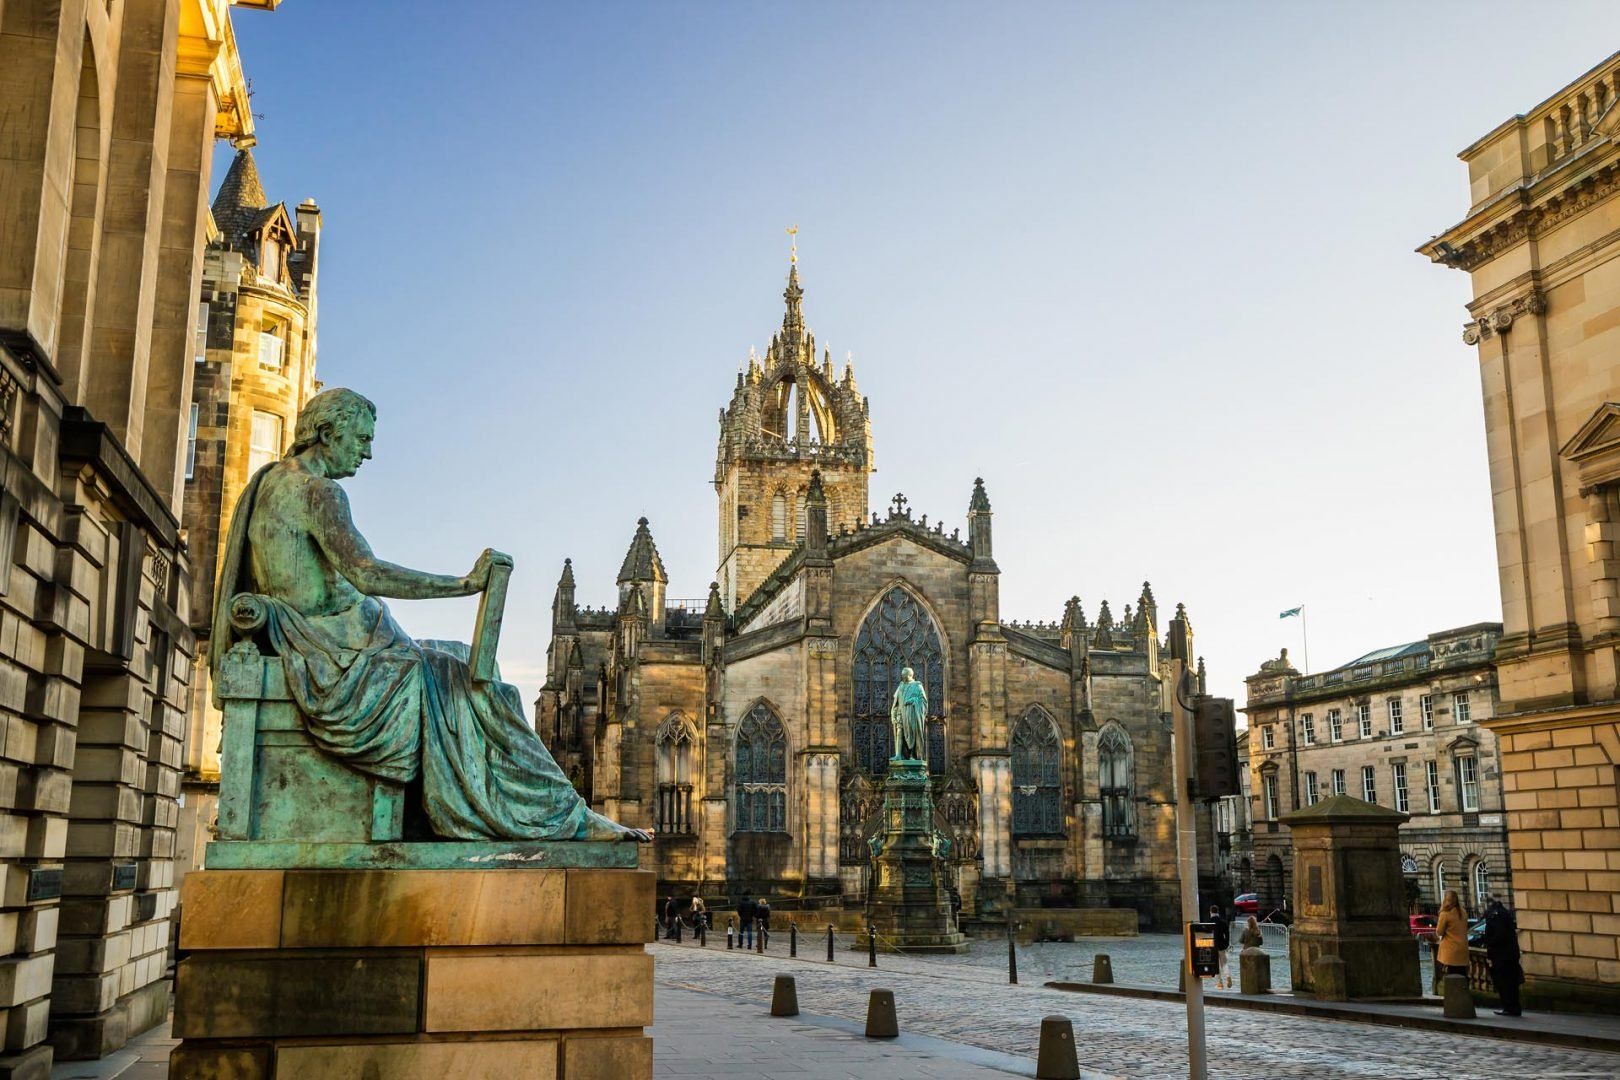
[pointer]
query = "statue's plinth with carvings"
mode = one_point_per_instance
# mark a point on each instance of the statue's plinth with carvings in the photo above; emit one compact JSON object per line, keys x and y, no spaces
{"x":908,"y":901}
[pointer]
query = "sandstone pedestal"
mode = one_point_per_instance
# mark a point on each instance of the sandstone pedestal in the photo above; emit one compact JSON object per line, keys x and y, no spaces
{"x":1350,"y":903}
{"x":909,"y":904}
{"x":534,"y":969}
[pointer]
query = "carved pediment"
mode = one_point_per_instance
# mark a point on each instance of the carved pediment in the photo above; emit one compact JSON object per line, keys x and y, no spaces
{"x":1595,"y":448}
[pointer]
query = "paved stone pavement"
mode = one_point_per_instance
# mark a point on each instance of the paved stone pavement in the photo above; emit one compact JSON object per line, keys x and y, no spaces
{"x":1124,"y":1036}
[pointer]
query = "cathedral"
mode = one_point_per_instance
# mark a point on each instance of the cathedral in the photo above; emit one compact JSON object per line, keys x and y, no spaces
{"x":751,"y":730}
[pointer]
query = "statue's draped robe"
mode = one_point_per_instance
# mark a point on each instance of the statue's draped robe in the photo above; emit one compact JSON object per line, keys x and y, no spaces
{"x":395,"y":708}
{"x":908,"y":715}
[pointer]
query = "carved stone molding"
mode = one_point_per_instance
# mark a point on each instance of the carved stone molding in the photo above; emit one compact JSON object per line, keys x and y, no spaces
{"x":1501,"y":319}
{"x":1529,"y":221}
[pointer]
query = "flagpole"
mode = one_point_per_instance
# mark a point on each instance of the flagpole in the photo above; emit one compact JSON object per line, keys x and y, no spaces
{"x":1305,"y":637}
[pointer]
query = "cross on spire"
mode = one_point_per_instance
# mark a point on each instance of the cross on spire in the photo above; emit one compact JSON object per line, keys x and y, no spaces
{"x":899,"y":502}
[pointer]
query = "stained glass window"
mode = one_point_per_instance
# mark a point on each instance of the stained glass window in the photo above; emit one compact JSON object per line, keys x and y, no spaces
{"x":1037,"y":776}
{"x":1114,"y":781}
{"x":761,"y":772}
{"x":897,"y":634}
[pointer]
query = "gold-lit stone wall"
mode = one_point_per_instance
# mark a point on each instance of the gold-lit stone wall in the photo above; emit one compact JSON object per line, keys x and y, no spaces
{"x":100,"y":255}
{"x":1538,"y":244}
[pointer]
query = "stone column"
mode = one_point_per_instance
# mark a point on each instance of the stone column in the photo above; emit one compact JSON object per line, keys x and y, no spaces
{"x":821,"y":814}
{"x":185,"y":212}
{"x":993,"y":775}
{"x":113,"y":383}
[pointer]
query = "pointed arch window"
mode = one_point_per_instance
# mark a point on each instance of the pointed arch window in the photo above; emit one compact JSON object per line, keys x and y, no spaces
{"x":1114,"y":781}
{"x":673,"y":747}
{"x":760,"y":778}
{"x":1037,"y":776}
{"x":779,"y":517}
{"x":897,"y":633}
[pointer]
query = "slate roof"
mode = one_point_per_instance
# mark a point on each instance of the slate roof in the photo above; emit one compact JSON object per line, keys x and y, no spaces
{"x":240,"y":205}
{"x":641,"y":562}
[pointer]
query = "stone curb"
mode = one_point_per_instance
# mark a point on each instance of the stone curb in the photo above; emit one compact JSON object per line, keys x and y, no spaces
{"x":1286,"y":1004}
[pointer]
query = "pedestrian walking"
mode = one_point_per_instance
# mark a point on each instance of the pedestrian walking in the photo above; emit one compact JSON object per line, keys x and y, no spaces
{"x":1502,"y":951}
{"x":747,"y":911}
{"x":1223,"y":942}
{"x":1451,"y":931}
{"x":1252,"y":937}
{"x":762,"y":912}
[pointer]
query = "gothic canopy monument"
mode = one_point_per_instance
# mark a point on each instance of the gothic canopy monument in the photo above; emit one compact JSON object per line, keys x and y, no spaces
{"x":445,"y":843}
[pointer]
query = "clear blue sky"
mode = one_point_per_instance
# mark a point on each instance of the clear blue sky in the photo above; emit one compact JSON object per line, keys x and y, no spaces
{"x":1146,"y":268}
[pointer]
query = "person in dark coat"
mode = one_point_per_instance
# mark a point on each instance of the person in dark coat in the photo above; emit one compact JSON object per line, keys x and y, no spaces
{"x":747,"y":911}
{"x":1502,"y":952}
{"x":762,"y":912}
{"x":1223,"y":942}
{"x":669,"y":917}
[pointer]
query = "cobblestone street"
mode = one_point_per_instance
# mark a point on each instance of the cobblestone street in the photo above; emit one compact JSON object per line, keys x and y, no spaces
{"x":972,"y":1004}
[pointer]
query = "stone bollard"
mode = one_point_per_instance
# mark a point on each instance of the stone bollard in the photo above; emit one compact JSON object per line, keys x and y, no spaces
{"x":785,"y":997}
{"x":1329,"y":979}
{"x":1459,"y":1001}
{"x":1102,"y":969}
{"x":881,"y":1022}
{"x":1057,"y":1059}
{"x":1181,"y":980}
{"x":1254,"y":971}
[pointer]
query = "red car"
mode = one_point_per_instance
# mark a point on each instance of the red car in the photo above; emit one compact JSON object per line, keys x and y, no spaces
{"x":1248,"y":903}
{"x":1421,"y":925}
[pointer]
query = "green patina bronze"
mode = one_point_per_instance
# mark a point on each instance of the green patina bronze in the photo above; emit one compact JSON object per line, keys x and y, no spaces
{"x":908,"y":717}
{"x":335,"y":719}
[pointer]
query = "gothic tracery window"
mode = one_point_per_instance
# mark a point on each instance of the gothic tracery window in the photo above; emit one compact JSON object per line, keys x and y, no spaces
{"x":673,"y":747}
{"x":1037,"y":776}
{"x":898,"y":633}
{"x":1114,"y":781}
{"x":760,"y":778}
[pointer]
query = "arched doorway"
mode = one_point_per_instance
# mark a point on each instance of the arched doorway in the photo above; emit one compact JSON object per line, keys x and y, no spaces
{"x":1271,"y":893}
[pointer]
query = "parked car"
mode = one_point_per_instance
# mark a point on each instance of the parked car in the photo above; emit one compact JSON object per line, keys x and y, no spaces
{"x":1476,"y":933}
{"x":1421,"y":925}
{"x":1248,"y":903}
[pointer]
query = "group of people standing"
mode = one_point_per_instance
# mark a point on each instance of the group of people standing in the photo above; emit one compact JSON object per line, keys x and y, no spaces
{"x":1501,"y":941}
{"x":1251,"y":939}
{"x":751,"y":913}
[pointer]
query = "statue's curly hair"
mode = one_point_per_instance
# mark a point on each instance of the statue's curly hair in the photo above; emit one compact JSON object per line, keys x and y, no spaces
{"x":336,"y":406}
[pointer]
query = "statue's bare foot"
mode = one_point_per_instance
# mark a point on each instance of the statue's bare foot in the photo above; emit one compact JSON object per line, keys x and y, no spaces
{"x":601,"y":828}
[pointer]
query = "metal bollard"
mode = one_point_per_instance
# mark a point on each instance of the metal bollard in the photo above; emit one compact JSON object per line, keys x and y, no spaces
{"x":793,"y":939}
{"x":731,"y":931}
{"x":830,"y":959}
{"x":1012,"y":956}
{"x":1102,"y":969}
{"x":759,"y":936}
{"x":703,"y":932}
{"x":677,"y":929}
{"x":871,"y":946}
{"x":881,"y":1022}
{"x":1057,"y":1059}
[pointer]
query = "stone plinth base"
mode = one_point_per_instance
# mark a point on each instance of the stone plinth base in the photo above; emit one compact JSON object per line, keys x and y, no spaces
{"x":908,"y":902}
{"x":414,"y":974}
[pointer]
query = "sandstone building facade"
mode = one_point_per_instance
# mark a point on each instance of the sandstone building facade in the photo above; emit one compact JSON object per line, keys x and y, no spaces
{"x":751,"y":730}
{"x":110,"y":113}
{"x":1403,"y":727}
{"x":254,"y":364}
{"x":1539,"y":245}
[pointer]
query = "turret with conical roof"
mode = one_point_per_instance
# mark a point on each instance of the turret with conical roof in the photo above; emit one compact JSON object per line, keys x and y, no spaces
{"x":788,"y":415}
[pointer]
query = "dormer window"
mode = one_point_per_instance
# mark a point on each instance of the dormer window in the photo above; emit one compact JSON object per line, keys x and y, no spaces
{"x":270,"y":259}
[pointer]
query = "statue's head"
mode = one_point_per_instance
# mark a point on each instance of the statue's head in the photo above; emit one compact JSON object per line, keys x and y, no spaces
{"x":906,"y":674}
{"x":340,"y":424}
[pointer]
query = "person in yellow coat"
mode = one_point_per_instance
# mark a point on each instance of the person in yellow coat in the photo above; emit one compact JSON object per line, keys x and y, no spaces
{"x":1451,"y":935}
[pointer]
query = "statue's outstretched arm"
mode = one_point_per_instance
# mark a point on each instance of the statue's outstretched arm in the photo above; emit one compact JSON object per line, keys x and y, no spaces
{"x":348,"y":552}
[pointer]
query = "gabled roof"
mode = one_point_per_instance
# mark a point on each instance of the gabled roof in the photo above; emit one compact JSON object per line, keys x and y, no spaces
{"x":641,"y":562}
{"x":1601,"y":430}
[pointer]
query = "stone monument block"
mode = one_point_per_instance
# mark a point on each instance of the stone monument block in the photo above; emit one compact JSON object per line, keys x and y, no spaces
{"x":1350,"y":902}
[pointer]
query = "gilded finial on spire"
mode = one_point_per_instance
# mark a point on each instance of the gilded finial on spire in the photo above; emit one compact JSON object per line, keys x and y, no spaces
{"x":793,"y":243}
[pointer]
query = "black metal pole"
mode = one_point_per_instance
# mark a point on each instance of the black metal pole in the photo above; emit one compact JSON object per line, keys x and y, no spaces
{"x":871,"y":945}
{"x":731,"y":928}
{"x":703,"y":931}
{"x":677,"y":929}
{"x":793,"y":938}
{"x":830,"y":959}
{"x":1012,"y":955}
{"x":759,"y":935}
